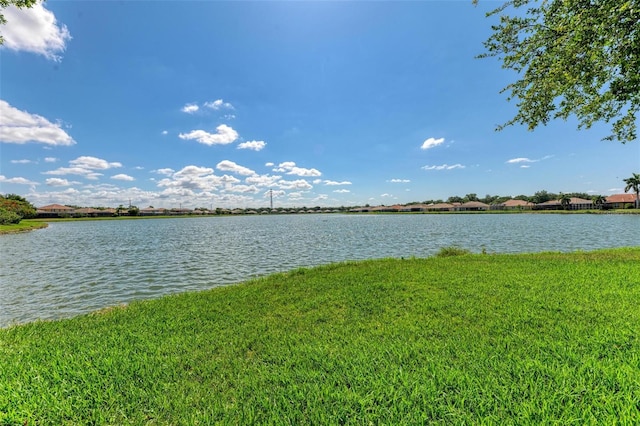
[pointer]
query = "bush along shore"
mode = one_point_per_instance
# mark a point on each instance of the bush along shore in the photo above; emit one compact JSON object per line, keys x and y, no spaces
{"x":453,"y":339}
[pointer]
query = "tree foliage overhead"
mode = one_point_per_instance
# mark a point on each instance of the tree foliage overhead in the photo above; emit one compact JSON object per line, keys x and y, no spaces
{"x":574,"y":57}
{"x":16,"y":3}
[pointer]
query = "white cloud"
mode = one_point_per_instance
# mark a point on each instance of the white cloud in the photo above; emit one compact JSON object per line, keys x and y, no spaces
{"x":290,"y":168}
{"x":295,"y":196}
{"x":244,"y":189}
{"x":263,"y":180}
{"x":225,"y":135}
{"x":18,"y":180}
{"x":385,"y":195}
{"x":165,"y":132}
{"x":122,"y":176}
{"x":399,"y":181}
{"x":431,"y":142}
{"x":253,"y":145}
{"x":34,"y":30}
{"x":269,"y":164}
{"x":444,"y":167}
{"x":50,"y":159}
{"x":342,"y":191}
{"x":230,"y":166}
{"x":80,"y":171}
{"x":218,"y":104}
{"x":527,"y":160}
{"x":166,"y":172}
{"x":20,"y":127}
{"x":93,"y":163}
{"x":193,"y":171}
{"x":190,"y":108}
{"x":524,"y":166}
{"x":299,"y":184}
{"x":21,"y":161}
{"x":58,"y":182}
{"x":85,"y":166}
{"x":191,"y":178}
{"x":520,"y":160}
{"x":334,"y":183}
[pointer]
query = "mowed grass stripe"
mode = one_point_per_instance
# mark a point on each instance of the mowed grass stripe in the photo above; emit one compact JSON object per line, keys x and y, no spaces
{"x":473,"y":338}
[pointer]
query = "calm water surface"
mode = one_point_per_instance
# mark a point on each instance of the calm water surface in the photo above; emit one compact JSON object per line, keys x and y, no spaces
{"x":76,"y":267}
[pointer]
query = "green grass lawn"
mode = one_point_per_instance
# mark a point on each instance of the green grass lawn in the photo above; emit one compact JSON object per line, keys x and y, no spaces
{"x":24,"y":226}
{"x":544,"y":338}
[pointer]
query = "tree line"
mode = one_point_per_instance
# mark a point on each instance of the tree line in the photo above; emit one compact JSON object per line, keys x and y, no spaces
{"x":14,"y":208}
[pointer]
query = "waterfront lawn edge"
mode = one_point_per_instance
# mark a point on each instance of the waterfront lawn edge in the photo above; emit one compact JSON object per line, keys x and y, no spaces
{"x":470,"y":338}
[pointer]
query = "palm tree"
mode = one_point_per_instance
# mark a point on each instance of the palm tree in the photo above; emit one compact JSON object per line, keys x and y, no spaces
{"x":598,"y":201}
{"x":633,"y":183}
{"x":565,"y":200}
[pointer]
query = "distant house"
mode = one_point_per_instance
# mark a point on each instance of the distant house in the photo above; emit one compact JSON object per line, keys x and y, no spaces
{"x":55,"y":210}
{"x":179,"y":212}
{"x":620,"y":201}
{"x":441,"y":207}
{"x":472,"y":206}
{"x":513,"y":205}
{"x":386,"y":209}
{"x":152,"y":211}
{"x":91,"y":212}
{"x":574,"y":204}
{"x":415,"y":208}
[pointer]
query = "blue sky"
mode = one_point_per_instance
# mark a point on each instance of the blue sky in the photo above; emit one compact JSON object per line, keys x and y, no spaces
{"x":213,"y":104}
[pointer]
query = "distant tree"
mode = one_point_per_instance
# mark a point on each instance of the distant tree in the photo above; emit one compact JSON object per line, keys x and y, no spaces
{"x":582,"y":195}
{"x":565,"y":200}
{"x":598,"y":201}
{"x":19,"y":205}
{"x":455,"y":199}
{"x":493,"y":199}
{"x":470,"y":197}
{"x":572,"y":57}
{"x":133,"y":211}
{"x":542,"y":197}
{"x":633,"y":183}
{"x":497,"y":200}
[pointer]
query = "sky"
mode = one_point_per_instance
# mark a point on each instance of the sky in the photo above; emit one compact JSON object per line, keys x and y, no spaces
{"x":220,"y":103}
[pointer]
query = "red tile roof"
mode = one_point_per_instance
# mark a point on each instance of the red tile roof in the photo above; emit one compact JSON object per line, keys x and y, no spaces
{"x":621,"y":198}
{"x":55,"y":207}
{"x":516,"y":203}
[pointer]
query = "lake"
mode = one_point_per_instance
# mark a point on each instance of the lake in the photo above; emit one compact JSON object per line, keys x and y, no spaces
{"x":71,"y":268}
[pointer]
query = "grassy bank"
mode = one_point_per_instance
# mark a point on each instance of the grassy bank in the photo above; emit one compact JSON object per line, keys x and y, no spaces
{"x":494,"y":339}
{"x":24,"y":226}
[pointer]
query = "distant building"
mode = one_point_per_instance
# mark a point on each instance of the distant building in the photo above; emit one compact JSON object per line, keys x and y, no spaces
{"x":54,"y":210}
{"x":620,"y":201}
{"x":513,"y":205}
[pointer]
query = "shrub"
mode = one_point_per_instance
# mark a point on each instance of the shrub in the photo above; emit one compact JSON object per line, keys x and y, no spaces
{"x":8,"y":217}
{"x":18,"y":205}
